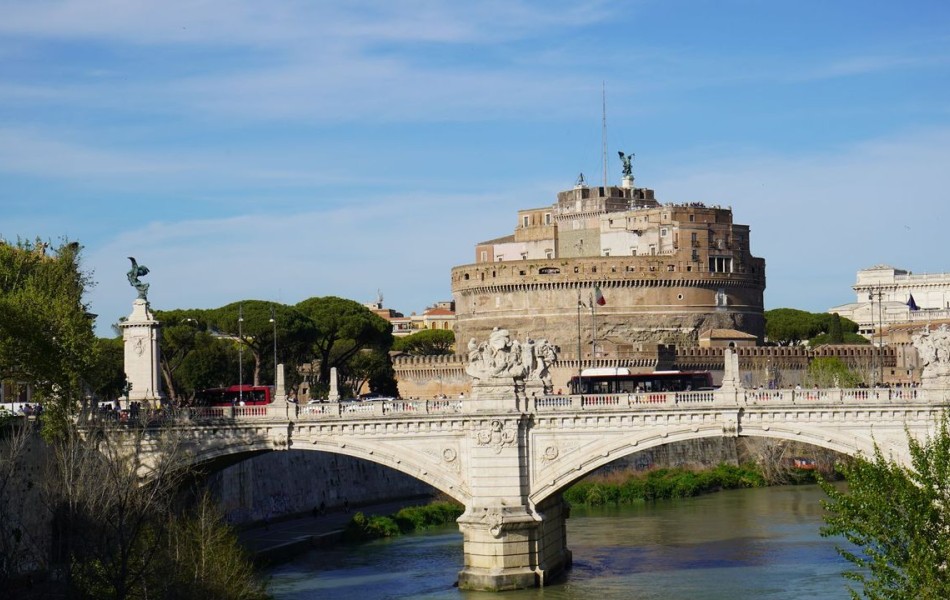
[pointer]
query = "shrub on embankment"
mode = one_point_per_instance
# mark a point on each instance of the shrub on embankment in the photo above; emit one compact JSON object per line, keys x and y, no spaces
{"x":407,"y":520}
{"x":632,"y":488}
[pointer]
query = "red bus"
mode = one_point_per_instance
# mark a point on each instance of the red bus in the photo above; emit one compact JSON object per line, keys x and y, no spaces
{"x":235,"y":395}
{"x":619,"y":380}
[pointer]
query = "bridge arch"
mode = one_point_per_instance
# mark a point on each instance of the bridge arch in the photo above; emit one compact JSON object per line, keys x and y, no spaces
{"x":607,"y":449}
{"x":442,"y":472}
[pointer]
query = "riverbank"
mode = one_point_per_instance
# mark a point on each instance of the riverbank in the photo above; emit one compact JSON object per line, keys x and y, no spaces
{"x":281,"y":540}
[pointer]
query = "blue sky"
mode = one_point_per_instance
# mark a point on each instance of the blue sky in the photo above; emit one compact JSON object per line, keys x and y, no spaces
{"x":288,"y":149}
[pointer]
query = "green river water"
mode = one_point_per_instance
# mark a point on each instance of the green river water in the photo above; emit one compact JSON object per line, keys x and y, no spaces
{"x":758,"y":543}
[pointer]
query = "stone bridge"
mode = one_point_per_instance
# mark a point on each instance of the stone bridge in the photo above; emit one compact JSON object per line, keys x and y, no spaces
{"x":508,"y":465}
{"x":508,"y":453}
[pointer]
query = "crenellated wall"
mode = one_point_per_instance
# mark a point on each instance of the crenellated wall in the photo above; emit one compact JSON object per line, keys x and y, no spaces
{"x":430,"y":376}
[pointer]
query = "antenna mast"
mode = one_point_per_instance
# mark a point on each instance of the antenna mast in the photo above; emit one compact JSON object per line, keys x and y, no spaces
{"x":603,"y":134}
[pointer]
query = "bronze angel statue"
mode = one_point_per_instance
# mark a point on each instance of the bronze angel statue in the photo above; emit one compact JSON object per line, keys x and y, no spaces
{"x":627,"y":160}
{"x":135,"y":272}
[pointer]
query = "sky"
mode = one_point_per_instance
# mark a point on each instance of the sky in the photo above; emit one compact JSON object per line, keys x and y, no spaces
{"x":288,"y":149}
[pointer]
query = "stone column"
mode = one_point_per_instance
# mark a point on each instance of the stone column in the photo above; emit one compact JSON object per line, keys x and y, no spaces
{"x":508,"y":543}
{"x":141,"y":334}
{"x":334,"y":395}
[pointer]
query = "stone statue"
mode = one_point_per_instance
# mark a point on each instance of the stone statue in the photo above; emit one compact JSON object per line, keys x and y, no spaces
{"x":627,"y":160}
{"x":135,"y":272}
{"x":933,"y":348}
{"x":501,"y":358}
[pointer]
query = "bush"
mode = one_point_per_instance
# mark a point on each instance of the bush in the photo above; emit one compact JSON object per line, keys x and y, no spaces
{"x":406,"y":520}
{"x":661,"y":484}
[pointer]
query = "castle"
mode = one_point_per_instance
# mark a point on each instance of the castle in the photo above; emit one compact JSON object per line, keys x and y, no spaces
{"x":663,"y":274}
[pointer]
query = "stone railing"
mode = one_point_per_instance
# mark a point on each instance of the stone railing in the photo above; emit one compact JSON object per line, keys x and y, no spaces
{"x":374,"y":409}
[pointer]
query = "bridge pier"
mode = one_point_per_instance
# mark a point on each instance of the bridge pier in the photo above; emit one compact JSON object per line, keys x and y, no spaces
{"x":513,"y":549}
{"x":509,"y":543}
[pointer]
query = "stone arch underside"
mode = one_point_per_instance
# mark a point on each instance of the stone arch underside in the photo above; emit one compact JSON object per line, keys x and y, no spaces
{"x":406,"y":460}
{"x":604,"y":448}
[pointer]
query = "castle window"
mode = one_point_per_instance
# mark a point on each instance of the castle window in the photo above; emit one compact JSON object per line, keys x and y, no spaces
{"x":524,"y":256}
{"x":670,"y":268}
{"x":524,"y":221}
{"x":692,"y":218}
{"x":521,"y":272}
{"x":663,"y":232}
{"x":466,"y":277}
{"x":679,"y":296}
{"x":593,"y":269}
{"x":484,"y":256}
{"x":549,"y":254}
{"x":689,"y":267}
{"x":577,"y":269}
{"x":547,"y":218}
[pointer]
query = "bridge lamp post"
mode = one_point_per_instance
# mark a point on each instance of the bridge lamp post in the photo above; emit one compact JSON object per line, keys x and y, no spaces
{"x":876,"y":328}
{"x":273,"y":320}
{"x":241,"y":354}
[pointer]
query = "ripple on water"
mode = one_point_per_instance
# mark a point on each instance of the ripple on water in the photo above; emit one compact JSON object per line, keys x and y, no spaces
{"x":761,"y":544}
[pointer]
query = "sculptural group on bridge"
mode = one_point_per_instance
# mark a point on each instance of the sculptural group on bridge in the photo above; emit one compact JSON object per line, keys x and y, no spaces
{"x":503,"y":358}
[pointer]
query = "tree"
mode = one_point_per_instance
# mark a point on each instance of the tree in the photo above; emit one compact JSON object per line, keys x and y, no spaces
{"x":207,"y":561}
{"x":46,"y":336}
{"x":372,"y":367}
{"x":426,"y":342}
{"x":790,"y":327}
{"x":256,"y":330}
{"x":898,"y":520}
{"x":830,"y":371}
{"x":837,"y":330}
{"x":343,"y":328}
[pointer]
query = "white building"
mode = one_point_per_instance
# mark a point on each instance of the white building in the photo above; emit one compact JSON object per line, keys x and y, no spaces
{"x":883,"y":298}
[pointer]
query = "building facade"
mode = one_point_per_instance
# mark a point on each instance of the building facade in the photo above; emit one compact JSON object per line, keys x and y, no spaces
{"x":883,"y":301}
{"x":667,"y":272}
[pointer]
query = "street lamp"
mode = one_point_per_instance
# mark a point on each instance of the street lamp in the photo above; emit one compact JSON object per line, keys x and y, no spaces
{"x":876,"y":330}
{"x":273,"y":320}
{"x":241,"y":354}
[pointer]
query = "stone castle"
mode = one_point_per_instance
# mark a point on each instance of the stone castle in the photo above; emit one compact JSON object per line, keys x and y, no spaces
{"x":667,"y":274}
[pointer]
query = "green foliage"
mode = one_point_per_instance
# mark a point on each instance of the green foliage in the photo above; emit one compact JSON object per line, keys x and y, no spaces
{"x":426,"y":342}
{"x":107,"y":369}
{"x":898,"y":520}
{"x":361,"y":528}
{"x":342,"y":329}
{"x":407,"y":520}
{"x":46,"y":336}
{"x":835,"y":333}
{"x":256,"y":331}
{"x":662,"y":484}
{"x":789,"y":327}
{"x":372,"y":367}
{"x":830,"y":371}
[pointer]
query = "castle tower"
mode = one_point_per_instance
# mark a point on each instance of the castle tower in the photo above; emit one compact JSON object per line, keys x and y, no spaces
{"x":667,"y":272}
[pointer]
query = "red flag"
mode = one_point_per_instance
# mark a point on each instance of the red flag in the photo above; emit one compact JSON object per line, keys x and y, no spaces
{"x":598,"y":297}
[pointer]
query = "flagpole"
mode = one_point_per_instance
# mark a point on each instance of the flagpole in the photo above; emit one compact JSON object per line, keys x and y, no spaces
{"x":593,"y":334}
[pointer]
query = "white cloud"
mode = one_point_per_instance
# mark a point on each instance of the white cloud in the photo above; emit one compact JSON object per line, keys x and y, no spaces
{"x":349,"y":252}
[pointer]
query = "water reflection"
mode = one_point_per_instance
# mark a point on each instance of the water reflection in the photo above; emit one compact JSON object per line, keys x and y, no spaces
{"x":738,"y":544}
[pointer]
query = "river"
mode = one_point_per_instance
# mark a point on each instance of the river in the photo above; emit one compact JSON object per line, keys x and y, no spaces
{"x":759,"y":543}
